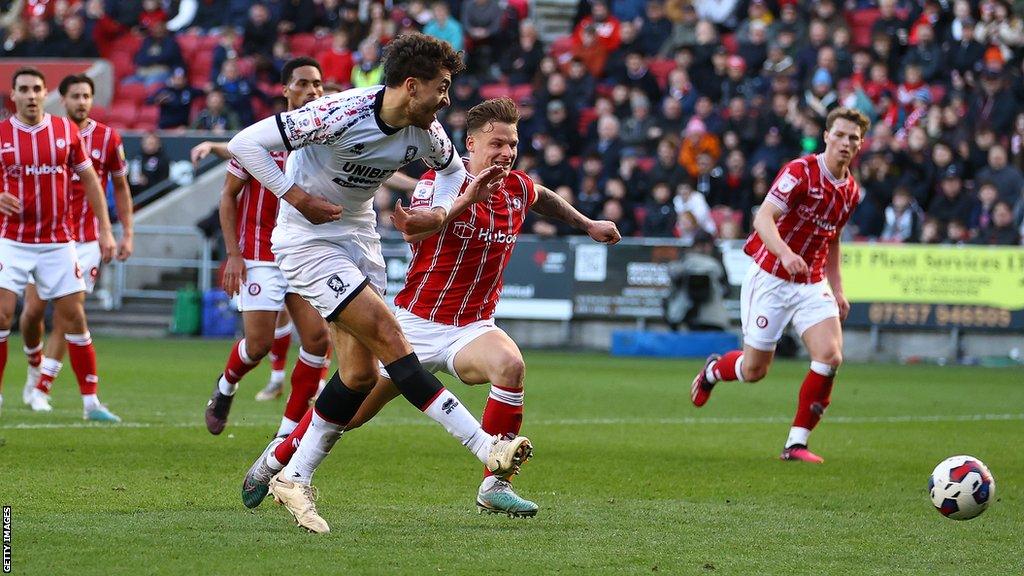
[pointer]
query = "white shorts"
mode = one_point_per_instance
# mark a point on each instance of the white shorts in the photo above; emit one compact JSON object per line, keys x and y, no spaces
{"x":264,"y":287}
{"x":329,"y":274}
{"x":53,"y":267}
{"x":437,"y":344}
{"x":89,"y":261}
{"x":768,"y":304}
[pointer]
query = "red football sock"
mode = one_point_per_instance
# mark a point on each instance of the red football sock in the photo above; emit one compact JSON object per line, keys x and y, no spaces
{"x":815,"y":394}
{"x":503,"y":413}
{"x":34,"y":355}
{"x":305,"y":380}
{"x":238,"y":364}
{"x":725,"y":367}
{"x":48,"y":370}
{"x":279,"y":349}
{"x":285,"y":450}
{"x":3,"y":354}
{"x":83,"y":361}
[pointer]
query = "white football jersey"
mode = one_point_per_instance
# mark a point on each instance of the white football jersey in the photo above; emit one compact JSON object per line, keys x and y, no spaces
{"x":343,"y":152}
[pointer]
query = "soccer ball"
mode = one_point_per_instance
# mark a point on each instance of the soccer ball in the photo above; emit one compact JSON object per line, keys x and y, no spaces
{"x":961,"y":487}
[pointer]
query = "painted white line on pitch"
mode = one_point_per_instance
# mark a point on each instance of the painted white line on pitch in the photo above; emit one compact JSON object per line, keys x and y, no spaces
{"x":554,"y":422}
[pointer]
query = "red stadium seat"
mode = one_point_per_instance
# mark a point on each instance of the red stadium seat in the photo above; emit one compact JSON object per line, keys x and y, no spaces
{"x":645,"y":163}
{"x":190,"y":44}
{"x":497,"y":90}
{"x":134,"y":92}
{"x":303,"y":44}
{"x":122,"y":115}
{"x":860,"y":22}
{"x":561,"y":47}
{"x":100,"y":114}
{"x":730,"y":43}
{"x":199,"y":69}
{"x":587,"y":115}
{"x":123,"y":63}
{"x":521,"y":92}
{"x":661,"y":67}
{"x":147,"y":118}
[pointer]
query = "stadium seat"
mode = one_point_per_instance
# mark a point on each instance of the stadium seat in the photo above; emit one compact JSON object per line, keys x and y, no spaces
{"x":122,"y":115}
{"x":730,"y":43}
{"x":190,"y":44}
{"x":661,"y":68}
{"x":496,"y":90}
{"x":199,"y":69}
{"x":561,"y":47}
{"x":134,"y":92}
{"x":587,"y":115}
{"x":860,"y":22}
{"x":521,"y":92}
{"x":246,"y":66}
{"x":303,"y":44}
{"x":147,"y":118}
{"x":100,"y":114}
{"x":123,"y":63}
{"x":645,"y":163}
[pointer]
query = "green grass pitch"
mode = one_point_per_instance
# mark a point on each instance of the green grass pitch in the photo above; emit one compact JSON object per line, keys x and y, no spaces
{"x":630,"y":478}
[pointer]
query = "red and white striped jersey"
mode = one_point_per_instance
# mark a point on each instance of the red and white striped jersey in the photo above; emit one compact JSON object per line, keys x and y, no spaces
{"x":103,"y":145}
{"x":37,"y":163}
{"x":257,"y":212}
{"x":455,"y":276}
{"x":816,"y":206}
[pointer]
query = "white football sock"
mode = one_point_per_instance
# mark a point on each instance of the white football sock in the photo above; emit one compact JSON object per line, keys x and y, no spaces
{"x":286,"y":427}
{"x":447,"y":411}
{"x":277,"y":377}
{"x":227,"y":388}
{"x":90,"y":402}
{"x":315,"y":446}
{"x":797,"y":435}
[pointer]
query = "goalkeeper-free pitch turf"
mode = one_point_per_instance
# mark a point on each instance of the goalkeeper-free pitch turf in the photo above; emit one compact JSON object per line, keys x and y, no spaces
{"x":630,"y":478}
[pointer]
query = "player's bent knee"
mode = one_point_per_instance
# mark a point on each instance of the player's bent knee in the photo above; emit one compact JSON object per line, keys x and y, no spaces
{"x":511,"y":372}
{"x":258,"y":348}
{"x":359,"y":379}
{"x":316,"y":343}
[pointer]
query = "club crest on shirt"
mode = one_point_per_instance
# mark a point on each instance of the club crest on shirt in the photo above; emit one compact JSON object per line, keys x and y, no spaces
{"x":517,"y":203}
{"x":786,"y":183}
{"x":254,"y":289}
{"x":410,"y":153}
{"x":60,"y":143}
{"x":96,"y":154}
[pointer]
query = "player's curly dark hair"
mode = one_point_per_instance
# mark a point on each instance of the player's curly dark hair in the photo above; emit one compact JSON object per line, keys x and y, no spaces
{"x":417,"y":55}
{"x":493,"y":110}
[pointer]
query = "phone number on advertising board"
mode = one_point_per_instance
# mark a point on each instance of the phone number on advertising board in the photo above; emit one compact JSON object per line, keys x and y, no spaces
{"x":939,"y":315}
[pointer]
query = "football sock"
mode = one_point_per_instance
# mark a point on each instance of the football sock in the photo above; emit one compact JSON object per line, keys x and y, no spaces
{"x":305,"y":379}
{"x":239,"y":364}
{"x":3,"y":352}
{"x":728,"y":367}
{"x":83,"y":362}
{"x":285,"y":450}
{"x":424,"y":391}
{"x":279,"y":350}
{"x":815,"y":394}
{"x":90,"y":402}
{"x":503,"y":413}
{"x":48,"y":370}
{"x":327,"y":366}
{"x":316,"y":444}
{"x":34,"y":355}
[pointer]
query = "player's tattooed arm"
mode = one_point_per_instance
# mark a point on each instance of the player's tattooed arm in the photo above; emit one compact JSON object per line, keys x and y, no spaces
{"x":554,"y":206}
{"x":429,"y":222}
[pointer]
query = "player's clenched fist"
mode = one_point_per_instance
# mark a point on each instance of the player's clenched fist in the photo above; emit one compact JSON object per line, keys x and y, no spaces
{"x":604,"y":231}
{"x":315,"y":209}
{"x":794,"y":264}
{"x":9,"y":204}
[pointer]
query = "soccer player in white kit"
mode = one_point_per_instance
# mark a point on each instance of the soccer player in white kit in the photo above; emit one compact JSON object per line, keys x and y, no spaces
{"x":103,"y":145}
{"x":38,"y":153}
{"x":795,"y":277}
{"x":446,"y":308}
{"x":344,"y":147}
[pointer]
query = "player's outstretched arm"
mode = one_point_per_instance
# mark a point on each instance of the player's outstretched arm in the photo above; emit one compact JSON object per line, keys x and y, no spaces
{"x":835,"y":279}
{"x":123,"y":203}
{"x":554,"y":206}
{"x":234,"y":268}
{"x":252,"y":147}
{"x":94,"y":195}
{"x":204,"y":149}
{"x":768,"y":230}
{"x":429,"y":222}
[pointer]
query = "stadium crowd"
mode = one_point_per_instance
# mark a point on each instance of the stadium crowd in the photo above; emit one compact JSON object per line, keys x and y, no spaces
{"x":669,"y":117}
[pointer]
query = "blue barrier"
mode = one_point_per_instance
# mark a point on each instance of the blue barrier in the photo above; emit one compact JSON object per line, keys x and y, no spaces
{"x":672,"y":344}
{"x":219,"y":316}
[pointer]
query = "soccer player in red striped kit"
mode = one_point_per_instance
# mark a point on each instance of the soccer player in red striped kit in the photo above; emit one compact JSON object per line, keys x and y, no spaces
{"x":795,"y":277}
{"x":103,"y":144}
{"x":248,"y":213}
{"x":446,"y":308}
{"x":38,"y":153}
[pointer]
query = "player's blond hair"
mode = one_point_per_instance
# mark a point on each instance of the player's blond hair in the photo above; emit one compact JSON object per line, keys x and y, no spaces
{"x":493,"y":110}
{"x":851,"y":114}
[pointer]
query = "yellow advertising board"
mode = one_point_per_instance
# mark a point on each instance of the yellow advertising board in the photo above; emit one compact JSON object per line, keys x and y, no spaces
{"x":973,"y":275}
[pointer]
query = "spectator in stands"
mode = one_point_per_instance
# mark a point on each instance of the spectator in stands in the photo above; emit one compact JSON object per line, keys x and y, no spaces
{"x":614,"y":211}
{"x":638,"y":130}
{"x":216,"y":116}
{"x":465,"y":93}
{"x":589,"y":198}
{"x":1007,"y":179}
{"x":902,"y":218}
{"x":16,"y":41}
{"x":559,"y":128}
{"x":368,"y":70}
{"x":580,"y":86}
{"x":591,"y":52}
{"x":152,"y":167}
{"x":226,"y":49}
{"x":666,"y":165}
{"x":297,"y":17}
{"x":609,"y":144}
{"x":73,"y":43}
{"x":981,"y":216}
{"x":260,"y":32}
{"x":337,"y":61}
{"x":158,"y":55}
{"x":1002,"y":231}
{"x":521,"y":61}
{"x":40,"y":40}
{"x":482,"y":20}
{"x":994,"y":105}
{"x":175,"y":100}
{"x":637,"y":76}
{"x":659,"y":213}
{"x":684,"y":30}
{"x":736,"y":184}
{"x":151,"y":13}
{"x":926,"y":54}
{"x":965,"y":53}
{"x":932,"y":231}
{"x":952,"y":202}
{"x":655,"y":29}
{"x":544,"y":228}
{"x":606,"y":27}
{"x":692,"y":212}
{"x":957,"y":233}
{"x":238,"y":91}
{"x":553,"y":170}
{"x":444,"y":27}
{"x":697,"y":141}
